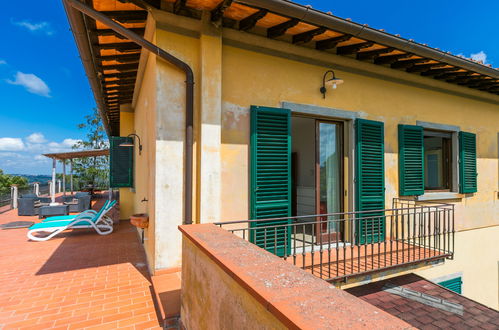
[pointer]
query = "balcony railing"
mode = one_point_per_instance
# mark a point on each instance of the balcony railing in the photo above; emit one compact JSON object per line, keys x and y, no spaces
{"x":340,"y":245}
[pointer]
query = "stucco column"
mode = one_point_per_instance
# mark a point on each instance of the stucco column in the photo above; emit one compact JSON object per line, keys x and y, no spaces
{"x":64,"y":177}
{"x":52,"y":190}
{"x":210,"y":80}
{"x":14,"y":192}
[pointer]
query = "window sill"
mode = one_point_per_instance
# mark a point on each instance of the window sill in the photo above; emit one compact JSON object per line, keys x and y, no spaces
{"x":439,"y":196}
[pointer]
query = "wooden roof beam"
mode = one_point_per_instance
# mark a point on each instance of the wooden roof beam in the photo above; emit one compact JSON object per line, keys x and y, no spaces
{"x":218,"y":13}
{"x":408,"y":63}
{"x":127,"y":16}
{"x":352,"y":49}
{"x":120,"y":75}
{"x":125,"y":58}
{"x":331,"y":42}
{"x":280,"y":29}
{"x":424,"y":67}
{"x":435,"y":72}
{"x":178,"y":6}
{"x":451,"y":74}
{"x":249,"y":22}
{"x":121,"y":67}
{"x":120,"y":46}
{"x":109,"y":32}
{"x":374,"y":53}
{"x":389,"y":59}
{"x":304,"y":37}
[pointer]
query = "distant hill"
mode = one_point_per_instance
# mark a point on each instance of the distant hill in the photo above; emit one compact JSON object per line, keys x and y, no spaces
{"x":36,"y":178}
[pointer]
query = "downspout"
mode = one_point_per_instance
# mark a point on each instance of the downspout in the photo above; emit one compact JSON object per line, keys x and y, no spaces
{"x":189,"y":94}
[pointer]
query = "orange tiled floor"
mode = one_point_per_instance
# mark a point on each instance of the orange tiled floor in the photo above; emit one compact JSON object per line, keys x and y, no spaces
{"x":76,"y":280}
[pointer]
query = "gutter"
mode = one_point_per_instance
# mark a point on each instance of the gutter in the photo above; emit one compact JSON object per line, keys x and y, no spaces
{"x":79,"y":32}
{"x":189,"y":101}
{"x":313,"y":16}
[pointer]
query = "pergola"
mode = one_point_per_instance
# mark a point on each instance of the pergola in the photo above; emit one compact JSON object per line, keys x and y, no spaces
{"x":63,"y":156}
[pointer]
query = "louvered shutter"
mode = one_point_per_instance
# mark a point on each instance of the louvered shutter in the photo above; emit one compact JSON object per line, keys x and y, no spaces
{"x":370,"y":181}
{"x":411,"y":160}
{"x":467,"y":163}
{"x":270,"y":182}
{"x":120,"y":162}
{"x":454,"y":284}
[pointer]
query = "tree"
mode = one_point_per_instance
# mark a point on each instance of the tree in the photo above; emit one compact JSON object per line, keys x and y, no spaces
{"x":92,"y":170}
{"x":7,"y":180}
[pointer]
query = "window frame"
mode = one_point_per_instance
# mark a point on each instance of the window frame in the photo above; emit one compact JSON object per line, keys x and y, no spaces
{"x":447,"y":164}
{"x":453,"y":192}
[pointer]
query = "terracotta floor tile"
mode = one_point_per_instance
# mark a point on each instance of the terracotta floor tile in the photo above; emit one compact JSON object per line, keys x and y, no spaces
{"x":78,"y":279}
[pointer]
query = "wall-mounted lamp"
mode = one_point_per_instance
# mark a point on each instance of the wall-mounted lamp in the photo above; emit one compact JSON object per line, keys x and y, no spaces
{"x":131,"y":144}
{"x":333,"y":81}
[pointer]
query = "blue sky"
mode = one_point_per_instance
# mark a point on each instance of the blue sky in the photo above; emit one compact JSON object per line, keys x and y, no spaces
{"x":45,"y":93}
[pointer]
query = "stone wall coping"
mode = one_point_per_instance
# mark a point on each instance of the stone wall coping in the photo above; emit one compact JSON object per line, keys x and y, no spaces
{"x":296,"y":298}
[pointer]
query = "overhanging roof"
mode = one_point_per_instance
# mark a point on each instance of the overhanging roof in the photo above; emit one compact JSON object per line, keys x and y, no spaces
{"x":78,"y":154}
{"x":111,"y":62}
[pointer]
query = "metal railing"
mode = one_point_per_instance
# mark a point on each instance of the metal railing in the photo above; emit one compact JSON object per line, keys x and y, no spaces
{"x":6,"y":200}
{"x":340,"y":245}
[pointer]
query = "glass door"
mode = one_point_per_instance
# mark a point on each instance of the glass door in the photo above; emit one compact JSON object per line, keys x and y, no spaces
{"x":329,"y":180}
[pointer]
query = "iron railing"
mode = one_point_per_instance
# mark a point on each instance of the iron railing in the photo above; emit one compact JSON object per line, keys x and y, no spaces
{"x":341,"y":245}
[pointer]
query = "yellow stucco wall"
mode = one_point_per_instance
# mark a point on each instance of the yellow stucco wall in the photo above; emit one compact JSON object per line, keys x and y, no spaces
{"x":126,"y":194}
{"x":214,"y":300}
{"x":254,"y":78}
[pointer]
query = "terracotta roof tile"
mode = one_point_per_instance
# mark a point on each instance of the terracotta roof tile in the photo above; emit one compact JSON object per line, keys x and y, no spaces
{"x":423,"y":316}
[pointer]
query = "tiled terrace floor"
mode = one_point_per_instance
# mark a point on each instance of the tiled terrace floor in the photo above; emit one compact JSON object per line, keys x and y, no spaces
{"x":76,"y":280}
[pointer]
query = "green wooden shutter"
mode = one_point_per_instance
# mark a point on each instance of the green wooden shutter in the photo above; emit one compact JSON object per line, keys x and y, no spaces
{"x":454,"y":284}
{"x":270,"y":182}
{"x":120,"y":162}
{"x":370,"y":180}
{"x":411,"y":160}
{"x":467,"y":163}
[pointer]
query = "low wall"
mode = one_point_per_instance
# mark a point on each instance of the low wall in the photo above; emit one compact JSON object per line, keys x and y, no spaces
{"x":229,"y":283}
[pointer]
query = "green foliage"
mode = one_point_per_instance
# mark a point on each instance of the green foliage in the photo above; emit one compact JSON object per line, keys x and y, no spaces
{"x":7,"y":180}
{"x":92,"y":170}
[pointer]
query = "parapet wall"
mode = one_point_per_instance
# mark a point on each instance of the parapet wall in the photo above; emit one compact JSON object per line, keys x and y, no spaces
{"x":229,"y":283}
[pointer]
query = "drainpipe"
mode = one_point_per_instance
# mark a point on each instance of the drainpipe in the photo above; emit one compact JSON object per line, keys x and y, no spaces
{"x":189,"y":94}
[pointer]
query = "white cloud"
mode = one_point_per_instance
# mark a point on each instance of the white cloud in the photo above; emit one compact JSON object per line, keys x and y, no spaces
{"x":480,"y":57}
{"x":36,"y":138}
{"x":43,"y":27}
{"x":32,"y":83}
{"x":11,"y":144}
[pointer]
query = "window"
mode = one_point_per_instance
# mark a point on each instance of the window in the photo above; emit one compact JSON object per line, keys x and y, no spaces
{"x":434,"y":160}
{"x":437,"y":160}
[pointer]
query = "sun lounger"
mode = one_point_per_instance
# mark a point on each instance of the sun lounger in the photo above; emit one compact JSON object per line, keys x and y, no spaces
{"x":82,"y":221}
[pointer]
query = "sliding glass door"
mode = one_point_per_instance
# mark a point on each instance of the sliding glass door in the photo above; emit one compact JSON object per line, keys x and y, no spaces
{"x":329,"y":180}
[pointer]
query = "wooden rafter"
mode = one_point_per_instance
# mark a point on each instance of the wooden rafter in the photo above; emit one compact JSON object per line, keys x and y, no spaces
{"x":374,"y":53}
{"x":403,"y":64}
{"x":218,"y":12}
{"x":178,"y":6}
{"x":424,"y":67}
{"x":123,"y":58}
{"x":307,"y":36}
{"x":331,"y":42}
{"x":120,"y":46}
{"x":280,"y":29}
{"x":127,"y":16}
{"x":352,"y":49}
{"x":109,"y":32}
{"x":249,"y":22}
{"x":389,"y":59}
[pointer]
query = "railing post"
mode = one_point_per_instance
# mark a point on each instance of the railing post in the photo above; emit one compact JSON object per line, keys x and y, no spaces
{"x":14,"y":193}
{"x":59,"y":186}
{"x":36,"y":186}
